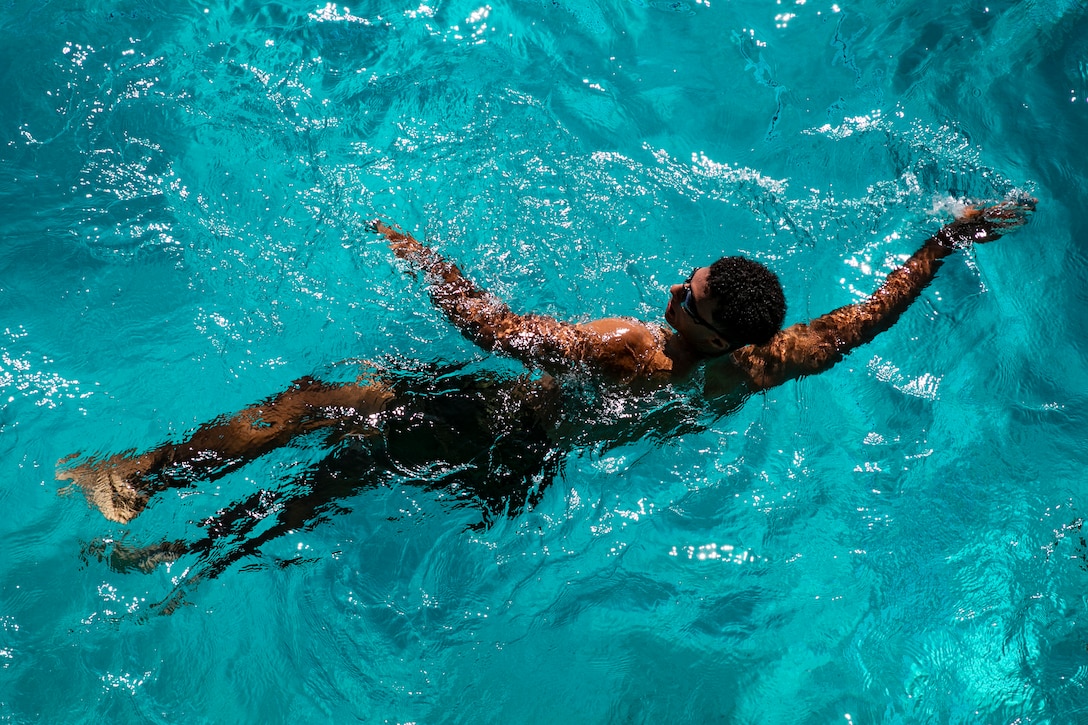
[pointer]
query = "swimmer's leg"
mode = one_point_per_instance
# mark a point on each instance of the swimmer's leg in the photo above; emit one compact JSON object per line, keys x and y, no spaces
{"x":239,"y":530}
{"x":121,"y":485}
{"x":124,"y":558}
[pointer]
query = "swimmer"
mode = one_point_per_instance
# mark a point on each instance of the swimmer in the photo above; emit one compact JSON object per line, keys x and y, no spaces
{"x":731,"y":310}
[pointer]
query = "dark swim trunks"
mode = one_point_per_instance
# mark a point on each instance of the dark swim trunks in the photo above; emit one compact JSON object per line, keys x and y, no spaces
{"x":484,"y":437}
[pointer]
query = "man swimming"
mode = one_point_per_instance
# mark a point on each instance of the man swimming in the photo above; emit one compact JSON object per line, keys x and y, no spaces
{"x":488,"y":436}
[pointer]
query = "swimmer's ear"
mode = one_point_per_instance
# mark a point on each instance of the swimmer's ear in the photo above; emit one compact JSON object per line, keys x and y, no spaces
{"x":724,"y":347}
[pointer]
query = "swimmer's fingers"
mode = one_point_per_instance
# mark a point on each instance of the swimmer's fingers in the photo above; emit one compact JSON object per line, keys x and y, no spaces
{"x":401,"y":243}
{"x":981,"y":224}
{"x":1017,"y":208}
{"x":65,"y":466}
{"x":381,"y":227}
{"x":1010,"y":214}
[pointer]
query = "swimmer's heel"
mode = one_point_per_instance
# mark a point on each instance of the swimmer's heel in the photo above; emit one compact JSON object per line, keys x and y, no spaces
{"x":106,"y":488}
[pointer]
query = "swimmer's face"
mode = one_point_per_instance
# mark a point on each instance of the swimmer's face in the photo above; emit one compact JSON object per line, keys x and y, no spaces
{"x":688,"y":312}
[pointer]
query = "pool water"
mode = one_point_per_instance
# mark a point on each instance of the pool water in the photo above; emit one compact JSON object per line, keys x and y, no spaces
{"x":184,"y":191}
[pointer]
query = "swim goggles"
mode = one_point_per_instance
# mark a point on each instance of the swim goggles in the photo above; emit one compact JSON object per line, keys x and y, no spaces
{"x":688,"y":305}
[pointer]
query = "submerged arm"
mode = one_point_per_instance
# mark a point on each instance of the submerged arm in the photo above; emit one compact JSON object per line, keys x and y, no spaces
{"x":811,"y":347}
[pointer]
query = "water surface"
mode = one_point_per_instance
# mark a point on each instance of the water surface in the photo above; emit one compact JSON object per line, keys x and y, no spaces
{"x":183,"y":195}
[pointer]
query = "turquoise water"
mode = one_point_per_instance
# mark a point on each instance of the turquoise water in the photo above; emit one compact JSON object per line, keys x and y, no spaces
{"x":183,"y":193}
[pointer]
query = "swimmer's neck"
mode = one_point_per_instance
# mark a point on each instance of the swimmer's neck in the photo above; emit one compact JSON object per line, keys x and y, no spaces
{"x":684,"y":356}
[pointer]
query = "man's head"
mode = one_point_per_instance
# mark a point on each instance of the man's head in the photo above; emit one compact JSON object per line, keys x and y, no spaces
{"x":732,"y":303}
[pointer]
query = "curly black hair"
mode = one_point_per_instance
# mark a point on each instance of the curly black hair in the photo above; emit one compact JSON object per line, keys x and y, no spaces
{"x":750,"y":306}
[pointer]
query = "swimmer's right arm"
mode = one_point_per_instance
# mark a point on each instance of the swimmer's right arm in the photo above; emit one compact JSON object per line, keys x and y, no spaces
{"x":481,"y":316}
{"x":491,"y":324}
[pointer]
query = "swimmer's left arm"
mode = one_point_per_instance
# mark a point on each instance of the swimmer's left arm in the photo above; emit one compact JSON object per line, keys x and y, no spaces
{"x":808,"y":348}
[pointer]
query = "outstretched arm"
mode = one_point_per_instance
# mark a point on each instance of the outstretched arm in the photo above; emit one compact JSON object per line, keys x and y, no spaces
{"x":624,"y":348}
{"x":480,"y":316}
{"x":811,"y":347}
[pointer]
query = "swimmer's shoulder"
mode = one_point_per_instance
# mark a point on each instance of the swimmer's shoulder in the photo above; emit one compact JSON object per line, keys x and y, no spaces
{"x":624,"y":328}
{"x":628,"y":346}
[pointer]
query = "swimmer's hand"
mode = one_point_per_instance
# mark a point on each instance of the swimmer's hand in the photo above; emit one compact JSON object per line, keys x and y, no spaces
{"x":403,"y":245}
{"x":981,"y":224}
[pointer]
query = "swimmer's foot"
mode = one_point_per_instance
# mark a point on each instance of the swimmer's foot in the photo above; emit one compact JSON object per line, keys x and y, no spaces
{"x":107,"y":487}
{"x":123,"y":559}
